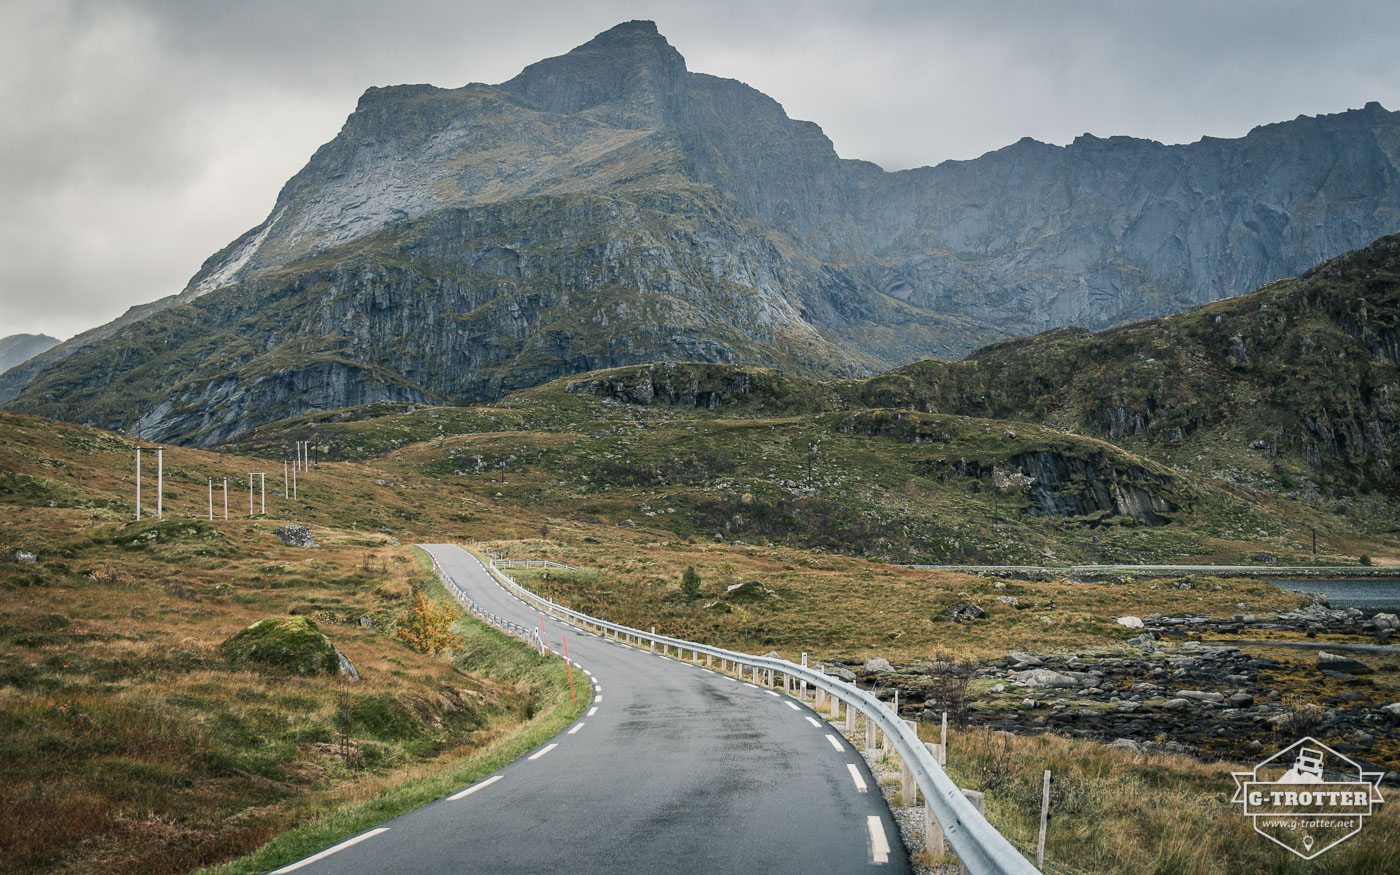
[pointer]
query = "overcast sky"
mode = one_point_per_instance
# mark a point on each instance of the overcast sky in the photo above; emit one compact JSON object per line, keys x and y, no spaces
{"x":141,"y":136}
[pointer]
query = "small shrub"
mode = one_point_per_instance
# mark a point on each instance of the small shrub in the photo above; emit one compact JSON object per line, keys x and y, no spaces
{"x":690,"y":583}
{"x":427,"y":627}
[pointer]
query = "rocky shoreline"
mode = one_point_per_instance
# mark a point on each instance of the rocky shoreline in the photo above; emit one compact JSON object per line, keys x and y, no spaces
{"x":1162,"y":693}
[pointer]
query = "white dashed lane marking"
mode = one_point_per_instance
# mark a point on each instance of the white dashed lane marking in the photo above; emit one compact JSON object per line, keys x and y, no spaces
{"x":792,"y":706}
{"x":879,"y":845}
{"x":331,"y":850}
{"x":834,"y":743}
{"x":593,"y":710}
{"x":814,"y":721}
{"x":473,"y":788}
{"x":576,"y":728}
{"x":855,"y":776}
{"x":539,"y":753}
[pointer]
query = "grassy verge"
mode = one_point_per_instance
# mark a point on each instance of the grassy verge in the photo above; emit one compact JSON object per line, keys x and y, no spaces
{"x":487,"y":646}
{"x":1115,"y":811}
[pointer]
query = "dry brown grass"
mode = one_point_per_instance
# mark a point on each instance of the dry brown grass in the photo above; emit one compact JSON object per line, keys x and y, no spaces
{"x":1118,"y":812}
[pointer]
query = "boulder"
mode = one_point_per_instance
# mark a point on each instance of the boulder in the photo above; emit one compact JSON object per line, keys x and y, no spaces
{"x":1018,"y":658}
{"x":1125,"y":744}
{"x":1043,"y":677}
{"x":1145,"y":641}
{"x":878,"y":665}
{"x":1386,"y":621}
{"x":964,"y":611}
{"x":1392,"y":711}
{"x":347,"y":668}
{"x":296,"y":536}
{"x":1176,"y":704}
{"x":26,"y":557}
{"x":1332,"y":662}
{"x":288,"y":644}
{"x":1130,"y":622}
{"x":1197,"y":695}
{"x":841,"y":674}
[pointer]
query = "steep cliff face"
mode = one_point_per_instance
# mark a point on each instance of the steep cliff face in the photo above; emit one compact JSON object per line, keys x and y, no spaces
{"x":459,"y":306}
{"x":1026,"y":238}
{"x":608,"y":206}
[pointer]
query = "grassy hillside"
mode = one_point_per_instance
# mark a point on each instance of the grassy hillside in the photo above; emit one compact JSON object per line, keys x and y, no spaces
{"x":131,"y":743}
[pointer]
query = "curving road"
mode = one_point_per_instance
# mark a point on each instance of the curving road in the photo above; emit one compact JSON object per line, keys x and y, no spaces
{"x":673,"y":768}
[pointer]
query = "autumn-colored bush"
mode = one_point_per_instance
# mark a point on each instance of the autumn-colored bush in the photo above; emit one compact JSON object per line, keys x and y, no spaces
{"x":427,"y":625}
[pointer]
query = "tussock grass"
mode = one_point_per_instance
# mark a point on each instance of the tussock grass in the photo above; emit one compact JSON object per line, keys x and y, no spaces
{"x":1117,"y":812}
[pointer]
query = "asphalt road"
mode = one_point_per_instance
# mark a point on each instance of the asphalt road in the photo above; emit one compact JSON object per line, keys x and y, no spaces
{"x":673,"y":768}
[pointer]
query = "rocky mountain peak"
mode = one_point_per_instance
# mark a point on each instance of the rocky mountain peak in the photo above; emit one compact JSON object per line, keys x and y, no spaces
{"x":631,"y":66}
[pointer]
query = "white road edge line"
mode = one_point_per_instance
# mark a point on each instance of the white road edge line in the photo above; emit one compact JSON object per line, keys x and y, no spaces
{"x":831,"y":738}
{"x":879,"y":845}
{"x":855,"y":776}
{"x":592,"y":711}
{"x":814,"y":721}
{"x":331,"y":850}
{"x":578,"y":726}
{"x":539,"y":753}
{"x":473,"y":788}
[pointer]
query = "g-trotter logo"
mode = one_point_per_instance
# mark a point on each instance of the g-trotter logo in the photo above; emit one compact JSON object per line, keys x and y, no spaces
{"x":1307,"y":797}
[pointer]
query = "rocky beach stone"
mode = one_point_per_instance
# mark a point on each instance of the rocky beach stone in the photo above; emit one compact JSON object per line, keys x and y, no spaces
{"x":1334,"y":662}
{"x":1130,"y":622}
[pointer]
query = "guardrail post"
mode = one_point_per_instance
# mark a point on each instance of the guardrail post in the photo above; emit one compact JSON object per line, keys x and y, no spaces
{"x":939,"y":752}
{"x":870,"y":734}
{"x":835,"y":708}
{"x":979,"y":801}
{"x":934,"y":843}
{"x":707,"y":660}
{"x":820,"y":700}
{"x":803,"y":696}
{"x":653,"y":641}
{"x":850,"y":718}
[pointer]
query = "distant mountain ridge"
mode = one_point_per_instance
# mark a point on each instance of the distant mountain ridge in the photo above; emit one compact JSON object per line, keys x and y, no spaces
{"x":608,"y":207}
{"x":19,"y":348}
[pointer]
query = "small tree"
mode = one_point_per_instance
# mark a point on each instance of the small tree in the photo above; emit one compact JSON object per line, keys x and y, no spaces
{"x":690,"y":583}
{"x":427,"y":627}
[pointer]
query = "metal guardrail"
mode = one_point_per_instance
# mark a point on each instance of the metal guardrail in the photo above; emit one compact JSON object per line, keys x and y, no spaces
{"x":529,"y":636}
{"x":981,"y":848}
{"x":530,"y":563}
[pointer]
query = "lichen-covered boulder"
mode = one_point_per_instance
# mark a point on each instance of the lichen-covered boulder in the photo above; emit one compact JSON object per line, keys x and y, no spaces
{"x":290,"y":644}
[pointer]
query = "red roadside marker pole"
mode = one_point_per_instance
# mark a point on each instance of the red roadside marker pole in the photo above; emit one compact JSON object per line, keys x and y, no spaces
{"x":570,"y":666}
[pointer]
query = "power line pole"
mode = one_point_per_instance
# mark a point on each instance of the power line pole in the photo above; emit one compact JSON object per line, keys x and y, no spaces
{"x":138,"y":483}
{"x":160,"y":484}
{"x":225,"y":498}
{"x":211,"y":499}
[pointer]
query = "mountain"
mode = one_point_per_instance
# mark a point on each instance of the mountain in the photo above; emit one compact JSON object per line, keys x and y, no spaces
{"x":1293,"y":388}
{"x":609,"y":207}
{"x":19,"y":348}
